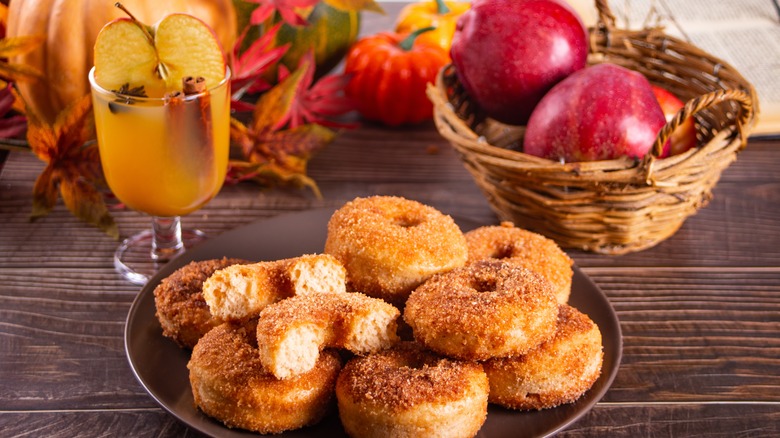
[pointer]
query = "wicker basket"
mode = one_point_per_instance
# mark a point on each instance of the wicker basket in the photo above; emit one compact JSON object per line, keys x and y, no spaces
{"x":613,"y":206}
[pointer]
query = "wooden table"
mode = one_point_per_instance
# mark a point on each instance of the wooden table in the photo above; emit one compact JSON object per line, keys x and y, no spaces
{"x":700,"y":313}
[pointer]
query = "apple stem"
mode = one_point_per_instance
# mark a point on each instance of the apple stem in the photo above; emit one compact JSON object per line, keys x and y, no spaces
{"x":162,"y":70}
{"x":407,"y":43}
{"x":125,"y":10}
{"x":441,"y":7}
{"x":137,"y":23}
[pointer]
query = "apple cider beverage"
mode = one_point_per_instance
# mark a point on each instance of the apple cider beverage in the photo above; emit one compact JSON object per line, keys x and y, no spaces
{"x":161,"y":100}
{"x":166,"y":157}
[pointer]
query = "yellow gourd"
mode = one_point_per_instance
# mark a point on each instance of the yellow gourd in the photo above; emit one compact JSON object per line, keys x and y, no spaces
{"x":437,"y":13}
{"x":71,"y":26}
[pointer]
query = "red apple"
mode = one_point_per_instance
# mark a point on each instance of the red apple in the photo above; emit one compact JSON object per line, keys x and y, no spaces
{"x":509,"y":53}
{"x":598,"y":113}
{"x":684,"y":137}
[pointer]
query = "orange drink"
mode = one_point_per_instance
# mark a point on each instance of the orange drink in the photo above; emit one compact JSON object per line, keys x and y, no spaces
{"x":156,"y":156}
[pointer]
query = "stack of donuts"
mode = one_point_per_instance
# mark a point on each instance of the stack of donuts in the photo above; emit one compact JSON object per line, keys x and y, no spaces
{"x":412,"y":326}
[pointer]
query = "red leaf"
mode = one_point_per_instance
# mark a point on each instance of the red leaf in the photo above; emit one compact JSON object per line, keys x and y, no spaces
{"x":240,"y":106}
{"x":12,"y":126}
{"x":323,"y":102}
{"x":6,"y":99}
{"x":331,"y":84}
{"x":261,"y":13}
{"x":288,"y":126}
{"x":286,"y":8}
{"x":249,"y":67}
{"x":273,"y":109}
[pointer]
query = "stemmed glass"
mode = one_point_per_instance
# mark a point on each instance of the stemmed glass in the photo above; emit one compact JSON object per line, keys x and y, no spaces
{"x":165,"y":157}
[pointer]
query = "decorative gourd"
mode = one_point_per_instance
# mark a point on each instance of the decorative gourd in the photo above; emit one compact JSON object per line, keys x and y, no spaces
{"x":390,"y":72}
{"x":330,"y":32}
{"x":71,"y":27}
{"x":437,"y":13}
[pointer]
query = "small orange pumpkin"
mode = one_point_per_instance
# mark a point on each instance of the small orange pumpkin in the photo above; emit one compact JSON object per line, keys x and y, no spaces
{"x":71,"y":27}
{"x":390,"y":72}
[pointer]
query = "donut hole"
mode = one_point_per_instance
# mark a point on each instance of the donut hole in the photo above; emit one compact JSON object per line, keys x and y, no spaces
{"x":407,"y":220}
{"x":483,"y":285}
{"x":503,"y":252}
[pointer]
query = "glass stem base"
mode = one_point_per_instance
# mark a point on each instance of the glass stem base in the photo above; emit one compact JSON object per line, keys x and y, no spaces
{"x":141,"y":255}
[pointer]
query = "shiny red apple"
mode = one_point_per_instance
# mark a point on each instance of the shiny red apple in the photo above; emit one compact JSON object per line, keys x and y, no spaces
{"x":509,"y":53}
{"x":684,"y":137}
{"x":602,"y":112}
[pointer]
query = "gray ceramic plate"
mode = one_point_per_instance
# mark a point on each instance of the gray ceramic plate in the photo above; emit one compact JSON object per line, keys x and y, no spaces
{"x":161,"y":366}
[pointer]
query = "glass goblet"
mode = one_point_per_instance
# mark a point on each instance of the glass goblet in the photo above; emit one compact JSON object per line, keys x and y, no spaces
{"x":165,"y":157}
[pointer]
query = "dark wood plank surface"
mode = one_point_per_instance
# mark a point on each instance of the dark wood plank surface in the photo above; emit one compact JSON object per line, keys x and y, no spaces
{"x":700,"y":313}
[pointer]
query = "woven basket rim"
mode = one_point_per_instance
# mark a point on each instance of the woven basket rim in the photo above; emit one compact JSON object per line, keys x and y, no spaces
{"x":458,"y":130}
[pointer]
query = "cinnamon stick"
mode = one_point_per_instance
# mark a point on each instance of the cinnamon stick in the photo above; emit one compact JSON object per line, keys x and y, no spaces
{"x":193,"y":85}
{"x":197,"y":85}
{"x":190,"y":122}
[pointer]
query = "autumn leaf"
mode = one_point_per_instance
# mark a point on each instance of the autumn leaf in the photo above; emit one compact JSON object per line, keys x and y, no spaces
{"x":281,"y":157}
{"x":277,"y":146}
{"x":274,"y":153}
{"x":273,"y":109}
{"x":321,"y":103}
{"x":72,"y":166}
{"x":10,"y":47}
{"x":249,"y":66}
{"x":286,"y":8}
{"x":356,"y":5}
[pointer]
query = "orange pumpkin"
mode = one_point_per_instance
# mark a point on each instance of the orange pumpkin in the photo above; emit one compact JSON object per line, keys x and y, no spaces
{"x":71,"y":27}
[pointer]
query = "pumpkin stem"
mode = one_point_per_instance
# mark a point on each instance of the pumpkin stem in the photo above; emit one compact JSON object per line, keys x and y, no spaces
{"x":441,"y":7}
{"x":407,"y":43}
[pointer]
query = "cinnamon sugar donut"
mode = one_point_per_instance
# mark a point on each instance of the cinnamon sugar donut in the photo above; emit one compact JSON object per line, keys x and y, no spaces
{"x":559,"y":371}
{"x":409,"y":392}
{"x":292,"y":332}
{"x":179,"y":304}
{"x":230,"y":384}
{"x":240,"y":292}
{"x":484,"y":310}
{"x":389,"y":245}
{"x":523,"y":248}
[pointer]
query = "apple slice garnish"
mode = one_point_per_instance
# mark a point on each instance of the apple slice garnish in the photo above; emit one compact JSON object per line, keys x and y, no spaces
{"x":129,"y":54}
{"x":124,"y":57}
{"x":189,"y":47}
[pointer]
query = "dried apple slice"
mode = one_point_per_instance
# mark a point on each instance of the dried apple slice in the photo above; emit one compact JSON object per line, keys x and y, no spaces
{"x":125,"y":57}
{"x":129,"y":54}
{"x":189,"y":47}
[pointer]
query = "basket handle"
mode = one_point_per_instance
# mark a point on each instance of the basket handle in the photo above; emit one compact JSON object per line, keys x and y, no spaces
{"x":703,"y":102}
{"x":606,"y":18}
